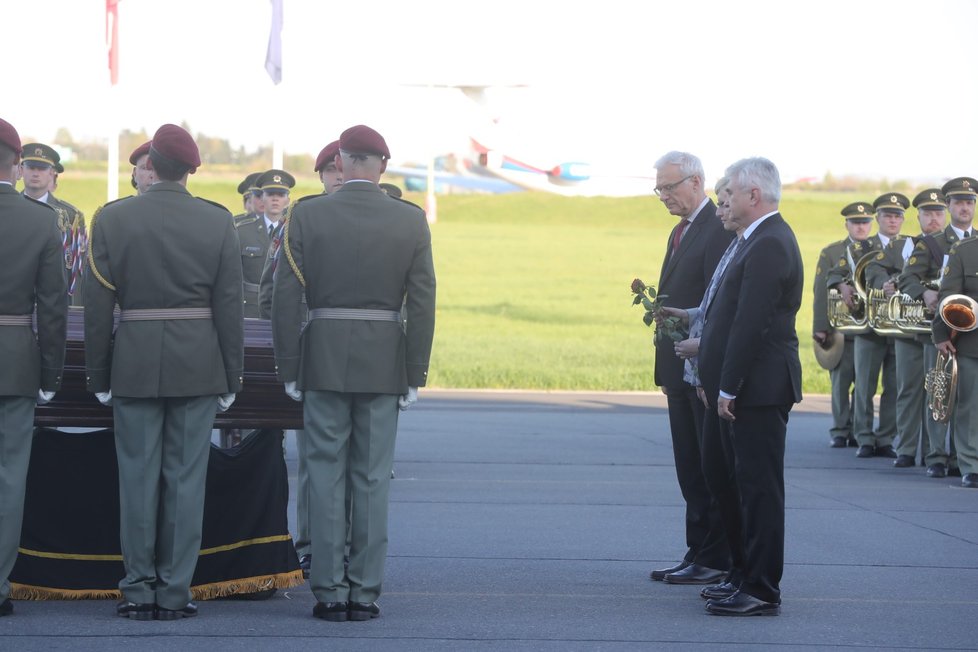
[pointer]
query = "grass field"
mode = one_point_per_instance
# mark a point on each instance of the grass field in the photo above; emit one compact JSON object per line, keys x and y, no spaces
{"x":533,"y":289}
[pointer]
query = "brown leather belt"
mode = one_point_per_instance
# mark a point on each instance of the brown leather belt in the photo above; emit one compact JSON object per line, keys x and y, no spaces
{"x":165,"y":314}
{"x":15,"y":320}
{"x":359,"y":314}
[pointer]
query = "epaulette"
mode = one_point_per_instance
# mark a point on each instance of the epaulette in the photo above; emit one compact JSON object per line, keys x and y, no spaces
{"x":39,"y":203}
{"x":247,"y":218}
{"x":301,"y":199}
{"x":214,"y":203}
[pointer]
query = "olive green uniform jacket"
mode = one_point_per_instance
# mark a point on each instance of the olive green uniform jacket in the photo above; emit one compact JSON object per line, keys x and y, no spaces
{"x":960,"y":277}
{"x":255,"y":243}
{"x":164,"y":249}
{"x":827,"y":259}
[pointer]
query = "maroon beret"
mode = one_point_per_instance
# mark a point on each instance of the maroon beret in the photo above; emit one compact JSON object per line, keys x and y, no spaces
{"x":327,"y":155}
{"x":140,"y":152}
{"x":176,"y":144}
{"x":361,"y":139}
{"x":9,"y":136}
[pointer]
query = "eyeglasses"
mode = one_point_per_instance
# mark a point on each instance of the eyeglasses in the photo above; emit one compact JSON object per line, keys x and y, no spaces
{"x":669,"y":187}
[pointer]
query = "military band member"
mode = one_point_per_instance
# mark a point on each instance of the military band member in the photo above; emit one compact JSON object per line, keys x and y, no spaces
{"x":255,"y":232}
{"x":922,"y":273}
{"x":883,"y":273}
{"x":356,"y":362}
{"x":175,"y":358}
{"x":39,"y":164}
{"x":858,"y":219}
{"x":143,"y":175}
{"x":33,"y":281}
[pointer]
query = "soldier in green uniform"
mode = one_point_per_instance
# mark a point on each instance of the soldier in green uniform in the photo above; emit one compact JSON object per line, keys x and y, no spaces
{"x":858,"y":223}
{"x":38,"y":167}
{"x":175,"y":358}
{"x":919,"y":279}
{"x":33,"y":281}
{"x":255,"y":233}
{"x":883,"y":273}
{"x":356,"y":363}
{"x":142,"y":173}
{"x":873,"y":352}
{"x":250,"y":197}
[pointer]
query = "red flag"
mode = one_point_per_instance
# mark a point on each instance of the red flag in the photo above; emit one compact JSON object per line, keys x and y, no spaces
{"x":112,"y":38}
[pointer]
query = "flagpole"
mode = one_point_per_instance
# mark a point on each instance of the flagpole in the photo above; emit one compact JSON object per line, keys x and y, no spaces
{"x":273,"y":65}
{"x":112,"y":45}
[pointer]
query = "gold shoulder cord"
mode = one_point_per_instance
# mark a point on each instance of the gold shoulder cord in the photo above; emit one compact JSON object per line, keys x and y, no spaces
{"x":288,"y":254}
{"x":91,"y":257}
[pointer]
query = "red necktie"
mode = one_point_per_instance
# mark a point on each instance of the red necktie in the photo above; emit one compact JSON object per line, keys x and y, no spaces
{"x":678,"y":235}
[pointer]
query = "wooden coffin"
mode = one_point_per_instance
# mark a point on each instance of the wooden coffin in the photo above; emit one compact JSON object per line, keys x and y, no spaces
{"x":261,"y":404}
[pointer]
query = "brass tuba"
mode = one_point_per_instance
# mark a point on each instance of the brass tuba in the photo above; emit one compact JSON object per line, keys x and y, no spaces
{"x":960,"y":313}
{"x":881,"y":313}
{"x":843,"y":319}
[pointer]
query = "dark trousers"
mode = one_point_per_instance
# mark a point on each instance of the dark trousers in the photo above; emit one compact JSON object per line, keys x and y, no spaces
{"x":720,"y":472}
{"x":705,"y":540}
{"x":757,"y":438}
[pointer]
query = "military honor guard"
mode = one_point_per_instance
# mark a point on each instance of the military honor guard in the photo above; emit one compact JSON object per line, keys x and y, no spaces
{"x":174,"y":360}
{"x":834,"y":349}
{"x":356,"y":362}
{"x":250,"y":196}
{"x":143,"y":175}
{"x":255,"y":233}
{"x":30,"y":365}
{"x":39,"y":164}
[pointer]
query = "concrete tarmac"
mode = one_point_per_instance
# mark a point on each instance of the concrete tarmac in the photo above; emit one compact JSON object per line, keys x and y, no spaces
{"x":530,"y":521}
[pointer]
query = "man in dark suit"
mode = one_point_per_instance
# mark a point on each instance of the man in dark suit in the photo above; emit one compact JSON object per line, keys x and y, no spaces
{"x":751,"y":374}
{"x":33,"y":280}
{"x":171,"y":261}
{"x":358,"y":256}
{"x":694,"y":248}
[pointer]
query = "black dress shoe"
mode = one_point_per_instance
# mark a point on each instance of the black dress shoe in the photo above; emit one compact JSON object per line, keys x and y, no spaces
{"x":337,"y":612}
{"x":970,"y":480}
{"x":305,"y":563}
{"x":886,"y":451}
{"x":135,"y":610}
{"x":696,"y":574}
{"x":936,"y":470}
{"x":6,"y":607}
{"x":741,"y":604}
{"x":174,"y":614}
{"x":364,"y":610}
{"x":903,"y":461}
{"x":852,"y":442}
{"x":718,"y":591}
{"x":953,"y":472}
{"x":838,"y":442}
{"x":659,"y":575}
{"x":866,"y":451}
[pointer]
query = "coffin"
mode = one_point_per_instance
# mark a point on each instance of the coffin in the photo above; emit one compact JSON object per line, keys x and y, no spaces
{"x":261,"y":404}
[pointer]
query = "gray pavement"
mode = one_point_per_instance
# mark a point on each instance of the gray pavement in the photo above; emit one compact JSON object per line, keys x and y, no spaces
{"x":530,"y":521}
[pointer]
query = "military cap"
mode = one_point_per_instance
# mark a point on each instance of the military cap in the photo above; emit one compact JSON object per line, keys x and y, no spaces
{"x":859,"y":212}
{"x":929,"y":198}
{"x":9,"y":136}
{"x":40,"y":153}
{"x":361,"y":139}
{"x":892,"y":201}
{"x":960,"y":187}
{"x":59,"y":168}
{"x":140,"y":152}
{"x":249,"y":185}
{"x":176,"y":144}
{"x":275,"y":180}
{"x":327,"y":155}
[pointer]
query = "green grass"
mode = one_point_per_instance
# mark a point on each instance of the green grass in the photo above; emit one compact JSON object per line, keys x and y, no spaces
{"x":533,"y":289}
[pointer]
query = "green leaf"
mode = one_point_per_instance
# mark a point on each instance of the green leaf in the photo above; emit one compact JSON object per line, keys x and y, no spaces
{"x":648,"y":318}
{"x":651,"y":291}
{"x":637,"y":300}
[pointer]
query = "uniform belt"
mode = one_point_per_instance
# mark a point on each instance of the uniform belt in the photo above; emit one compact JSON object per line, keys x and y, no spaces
{"x":360,"y":314}
{"x":15,"y":320}
{"x":159,"y":314}
{"x":251,"y":287}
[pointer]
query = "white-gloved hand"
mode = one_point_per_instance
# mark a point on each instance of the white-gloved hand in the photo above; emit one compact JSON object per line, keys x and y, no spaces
{"x":44,"y":397}
{"x":407,"y":400}
{"x":224,"y":401}
{"x":293,"y":393}
{"x":105,"y":398}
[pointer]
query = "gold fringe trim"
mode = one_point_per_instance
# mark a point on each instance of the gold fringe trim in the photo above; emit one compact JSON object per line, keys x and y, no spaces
{"x":29,"y":592}
{"x":91,"y":256}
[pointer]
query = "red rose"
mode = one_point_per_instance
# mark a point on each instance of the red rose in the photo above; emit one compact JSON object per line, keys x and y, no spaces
{"x":638,"y":286}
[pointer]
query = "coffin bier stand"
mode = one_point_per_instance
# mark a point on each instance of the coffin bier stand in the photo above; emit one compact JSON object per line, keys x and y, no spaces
{"x":262,"y":403}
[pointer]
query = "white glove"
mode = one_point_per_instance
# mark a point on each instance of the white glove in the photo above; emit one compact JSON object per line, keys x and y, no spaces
{"x":293,"y":393}
{"x":105,"y":398}
{"x":44,"y":397}
{"x":407,"y":400}
{"x":224,"y":401}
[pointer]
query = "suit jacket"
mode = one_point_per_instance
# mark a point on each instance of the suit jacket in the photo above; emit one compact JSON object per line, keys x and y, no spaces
{"x":255,"y":242}
{"x":749,"y":347}
{"x":685,"y":275}
{"x":355,"y":248}
{"x":164,"y":249}
{"x":960,"y":277}
{"x":33,"y":278}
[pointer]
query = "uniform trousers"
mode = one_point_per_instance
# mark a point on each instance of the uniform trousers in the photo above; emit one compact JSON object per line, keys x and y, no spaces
{"x":16,"y":437}
{"x":911,"y":410}
{"x":966,"y":415}
{"x":303,"y":539}
{"x":941,"y":447}
{"x":873,"y":353}
{"x":350,"y":439}
{"x":842,"y":378}
{"x":162,"y":445}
